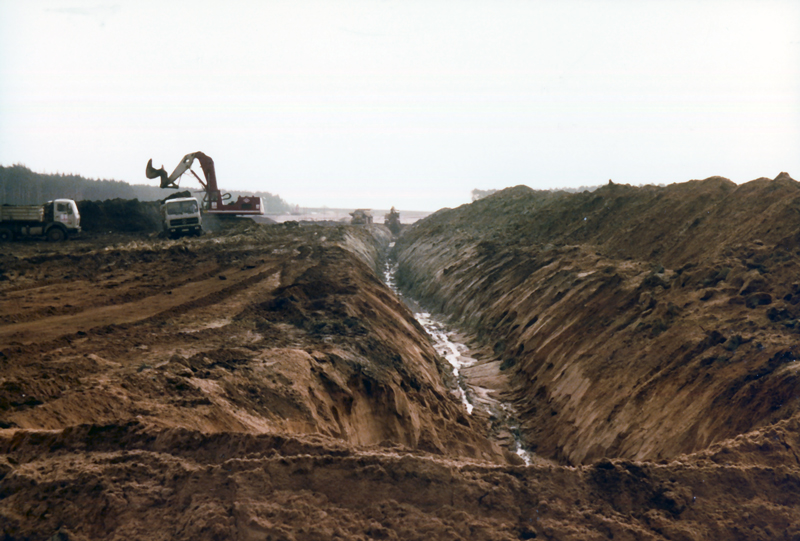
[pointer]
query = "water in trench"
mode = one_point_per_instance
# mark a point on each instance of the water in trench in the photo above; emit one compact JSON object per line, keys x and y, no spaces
{"x":447,"y":345}
{"x":454,"y":352}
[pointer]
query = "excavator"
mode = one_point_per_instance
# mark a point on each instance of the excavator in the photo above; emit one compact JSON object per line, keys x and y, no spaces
{"x":214,"y":200}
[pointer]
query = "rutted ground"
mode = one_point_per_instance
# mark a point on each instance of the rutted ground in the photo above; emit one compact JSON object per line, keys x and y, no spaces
{"x":265,"y":331}
{"x":265,"y":384}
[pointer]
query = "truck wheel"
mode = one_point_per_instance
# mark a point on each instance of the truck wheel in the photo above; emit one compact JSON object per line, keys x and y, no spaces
{"x":6,"y":235}
{"x":56,"y":234}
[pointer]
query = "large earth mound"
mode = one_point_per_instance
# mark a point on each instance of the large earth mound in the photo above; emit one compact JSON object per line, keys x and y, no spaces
{"x":639,"y":323}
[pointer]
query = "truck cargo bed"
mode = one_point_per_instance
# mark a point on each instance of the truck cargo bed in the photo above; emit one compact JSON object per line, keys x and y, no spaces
{"x":27,"y":213}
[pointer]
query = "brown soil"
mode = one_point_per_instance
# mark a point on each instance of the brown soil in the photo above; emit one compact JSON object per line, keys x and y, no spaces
{"x":646,"y":324}
{"x":263,"y":383}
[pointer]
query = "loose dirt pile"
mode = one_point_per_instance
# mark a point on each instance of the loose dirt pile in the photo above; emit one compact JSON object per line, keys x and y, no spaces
{"x":263,"y":383}
{"x":120,"y":215}
{"x":134,"y":216}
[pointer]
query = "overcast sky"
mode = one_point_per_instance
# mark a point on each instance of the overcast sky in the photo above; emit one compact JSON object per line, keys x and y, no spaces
{"x":408,"y":103}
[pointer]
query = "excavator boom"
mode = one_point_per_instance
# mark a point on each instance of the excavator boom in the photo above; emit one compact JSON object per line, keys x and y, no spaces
{"x":213,"y":201}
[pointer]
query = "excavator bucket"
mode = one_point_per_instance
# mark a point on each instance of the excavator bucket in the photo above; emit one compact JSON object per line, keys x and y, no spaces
{"x":170,"y":181}
{"x":152,"y":172}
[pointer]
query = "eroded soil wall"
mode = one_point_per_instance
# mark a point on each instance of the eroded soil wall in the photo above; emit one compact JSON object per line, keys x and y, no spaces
{"x":277,"y":329}
{"x":641,"y":323}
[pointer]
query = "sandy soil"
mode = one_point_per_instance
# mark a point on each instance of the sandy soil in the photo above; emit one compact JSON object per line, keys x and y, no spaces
{"x":263,"y":383}
{"x":647,"y":324}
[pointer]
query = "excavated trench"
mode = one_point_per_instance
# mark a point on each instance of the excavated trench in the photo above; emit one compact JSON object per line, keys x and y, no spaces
{"x":467,"y":377}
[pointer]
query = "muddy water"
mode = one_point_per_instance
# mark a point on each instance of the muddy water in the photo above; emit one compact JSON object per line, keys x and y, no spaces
{"x":447,"y":344}
{"x":454,"y":352}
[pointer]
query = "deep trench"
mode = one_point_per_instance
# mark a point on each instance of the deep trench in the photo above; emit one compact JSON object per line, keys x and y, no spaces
{"x":449,"y":345}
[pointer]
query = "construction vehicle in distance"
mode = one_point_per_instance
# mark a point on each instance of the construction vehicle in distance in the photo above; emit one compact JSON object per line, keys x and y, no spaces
{"x":57,"y":220}
{"x":392,"y":221}
{"x":361,"y":217}
{"x":181,"y":216}
{"x":214,"y":200}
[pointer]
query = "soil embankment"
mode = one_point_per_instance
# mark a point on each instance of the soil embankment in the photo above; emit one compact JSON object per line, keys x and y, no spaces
{"x":275,"y":330}
{"x":639,"y":323}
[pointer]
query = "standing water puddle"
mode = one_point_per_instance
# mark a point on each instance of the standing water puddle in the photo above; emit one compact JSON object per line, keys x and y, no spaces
{"x":457,"y":355}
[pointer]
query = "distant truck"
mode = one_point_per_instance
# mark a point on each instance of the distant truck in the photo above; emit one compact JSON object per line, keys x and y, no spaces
{"x":392,"y":221}
{"x":56,"y":220}
{"x":361,"y":217}
{"x":181,"y":216}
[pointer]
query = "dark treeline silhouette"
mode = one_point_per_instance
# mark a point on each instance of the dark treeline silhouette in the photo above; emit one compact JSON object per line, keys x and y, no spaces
{"x":21,"y":186}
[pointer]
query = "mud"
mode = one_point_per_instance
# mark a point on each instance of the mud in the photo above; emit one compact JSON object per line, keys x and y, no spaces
{"x":262,"y":382}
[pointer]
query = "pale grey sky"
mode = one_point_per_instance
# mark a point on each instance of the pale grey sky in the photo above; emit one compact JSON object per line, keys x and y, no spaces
{"x":408,"y":103}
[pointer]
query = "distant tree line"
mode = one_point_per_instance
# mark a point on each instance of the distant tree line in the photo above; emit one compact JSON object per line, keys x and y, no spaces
{"x":21,"y":186}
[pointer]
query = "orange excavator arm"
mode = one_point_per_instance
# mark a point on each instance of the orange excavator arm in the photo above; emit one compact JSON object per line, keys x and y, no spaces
{"x":213,"y":200}
{"x":206,"y":163}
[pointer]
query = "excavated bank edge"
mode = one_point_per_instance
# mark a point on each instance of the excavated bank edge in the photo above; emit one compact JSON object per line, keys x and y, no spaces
{"x":613,"y":353}
{"x":305,"y":338}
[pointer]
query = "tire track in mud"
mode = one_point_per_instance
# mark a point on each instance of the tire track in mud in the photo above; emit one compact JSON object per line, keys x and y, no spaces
{"x":184,"y":298}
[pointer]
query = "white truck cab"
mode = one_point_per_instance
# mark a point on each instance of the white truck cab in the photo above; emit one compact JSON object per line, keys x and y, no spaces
{"x":181,"y":216}
{"x":66,"y":212}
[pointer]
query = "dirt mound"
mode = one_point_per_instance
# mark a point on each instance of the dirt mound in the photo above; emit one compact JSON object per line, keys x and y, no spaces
{"x":272,"y":329}
{"x":134,"y":216}
{"x":637,"y":322}
{"x":120,"y":215}
{"x":672,"y":225}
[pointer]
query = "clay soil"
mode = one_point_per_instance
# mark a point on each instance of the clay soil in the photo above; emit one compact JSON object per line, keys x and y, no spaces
{"x":263,"y":383}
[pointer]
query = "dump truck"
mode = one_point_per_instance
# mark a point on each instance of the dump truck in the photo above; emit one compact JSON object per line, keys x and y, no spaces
{"x":392,"y":221}
{"x":361,"y":217}
{"x":56,"y":220}
{"x":181,"y":216}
